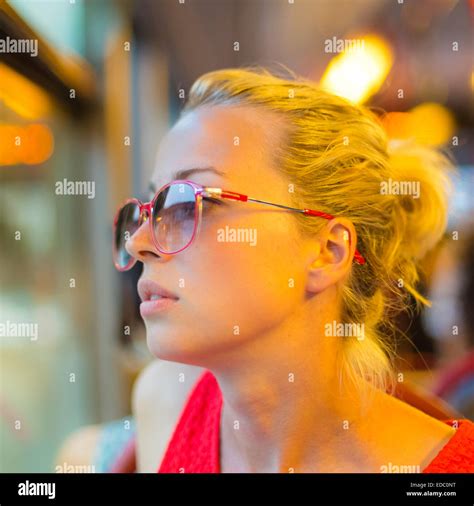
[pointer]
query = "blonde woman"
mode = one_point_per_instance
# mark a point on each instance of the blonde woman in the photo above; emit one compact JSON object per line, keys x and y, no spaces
{"x":272,"y":251}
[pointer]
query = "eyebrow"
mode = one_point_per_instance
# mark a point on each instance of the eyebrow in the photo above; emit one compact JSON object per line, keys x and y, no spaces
{"x":185,"y":173}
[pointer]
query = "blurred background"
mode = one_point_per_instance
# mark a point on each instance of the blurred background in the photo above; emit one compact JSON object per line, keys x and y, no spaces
{"x":109,"y":78}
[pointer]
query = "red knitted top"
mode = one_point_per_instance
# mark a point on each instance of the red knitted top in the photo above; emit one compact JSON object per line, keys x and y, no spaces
{"x":194,"y":446}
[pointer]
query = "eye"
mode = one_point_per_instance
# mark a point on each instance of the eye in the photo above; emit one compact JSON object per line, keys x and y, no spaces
{"x":211,"y":200}
{"x":184,"y":210}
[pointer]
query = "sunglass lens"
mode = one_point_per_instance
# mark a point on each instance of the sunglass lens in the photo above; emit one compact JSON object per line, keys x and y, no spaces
{"x":175,"y":217}
{"x":128,"y":222}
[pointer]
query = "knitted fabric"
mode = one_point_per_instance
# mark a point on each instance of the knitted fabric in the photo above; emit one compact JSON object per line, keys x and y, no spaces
{"x":194,"y":445}
{"x":457,"y":455}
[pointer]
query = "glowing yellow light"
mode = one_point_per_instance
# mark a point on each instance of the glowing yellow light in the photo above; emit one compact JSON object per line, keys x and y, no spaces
{"x":22,"y":96}
{"x":28,"y":144}
{"x":432,"y":124}
{"x":359,"y":73}
{"x":428,"y":123}
{"x":397,"y":125}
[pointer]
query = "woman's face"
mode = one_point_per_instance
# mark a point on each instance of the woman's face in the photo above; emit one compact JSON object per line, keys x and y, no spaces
{"x":229,"y":292}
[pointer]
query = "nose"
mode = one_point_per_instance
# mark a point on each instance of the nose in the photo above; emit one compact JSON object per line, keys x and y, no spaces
{"x":140,"y":245}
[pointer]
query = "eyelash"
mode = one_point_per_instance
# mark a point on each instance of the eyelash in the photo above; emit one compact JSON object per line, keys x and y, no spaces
{"x":214,"y":201}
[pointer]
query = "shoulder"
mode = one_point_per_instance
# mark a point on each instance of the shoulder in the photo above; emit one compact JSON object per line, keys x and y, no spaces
{"x":457,"y":455}
{"x":158,"y":398}
{"x":422,"y":436}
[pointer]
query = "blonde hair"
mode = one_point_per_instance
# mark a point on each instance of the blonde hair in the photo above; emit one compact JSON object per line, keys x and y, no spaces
{"x":338,"y":156}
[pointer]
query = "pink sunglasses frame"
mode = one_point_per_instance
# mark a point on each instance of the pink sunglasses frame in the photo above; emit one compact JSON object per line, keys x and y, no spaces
{"x":200,"y":192}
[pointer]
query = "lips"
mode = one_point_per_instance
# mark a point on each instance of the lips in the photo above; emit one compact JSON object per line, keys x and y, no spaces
{"x":155,"y":298}
{"x":149,"y":290}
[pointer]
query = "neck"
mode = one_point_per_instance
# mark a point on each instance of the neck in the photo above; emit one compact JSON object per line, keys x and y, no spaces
{"x":285,"y":409}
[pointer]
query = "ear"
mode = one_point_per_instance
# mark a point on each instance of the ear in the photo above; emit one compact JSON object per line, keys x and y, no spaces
{"x":332,"y":256}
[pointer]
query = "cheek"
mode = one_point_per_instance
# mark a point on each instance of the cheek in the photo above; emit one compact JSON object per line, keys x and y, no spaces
{"x":237,"y":281}
{"x":232,"y":292}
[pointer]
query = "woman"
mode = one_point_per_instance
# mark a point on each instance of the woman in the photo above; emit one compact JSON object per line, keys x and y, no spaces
{"x":283,"y":245}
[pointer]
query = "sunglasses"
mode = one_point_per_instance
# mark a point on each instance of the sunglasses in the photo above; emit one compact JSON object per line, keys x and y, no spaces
{"x":175,"y":216}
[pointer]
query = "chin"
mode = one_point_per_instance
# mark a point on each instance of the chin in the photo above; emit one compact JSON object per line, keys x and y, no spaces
{"x":188,"y":344}
{"x":175,"y":347}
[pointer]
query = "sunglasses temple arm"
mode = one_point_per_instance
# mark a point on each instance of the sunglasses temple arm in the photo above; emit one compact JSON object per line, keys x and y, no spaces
{"x":308,"y":212}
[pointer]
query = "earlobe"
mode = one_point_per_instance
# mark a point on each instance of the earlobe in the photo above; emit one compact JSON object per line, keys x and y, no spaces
{"x":317,"y":280}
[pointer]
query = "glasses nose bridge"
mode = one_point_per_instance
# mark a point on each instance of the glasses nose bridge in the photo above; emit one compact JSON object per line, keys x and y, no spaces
{"x":141,"y":237}
{"x":145,"y":212}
